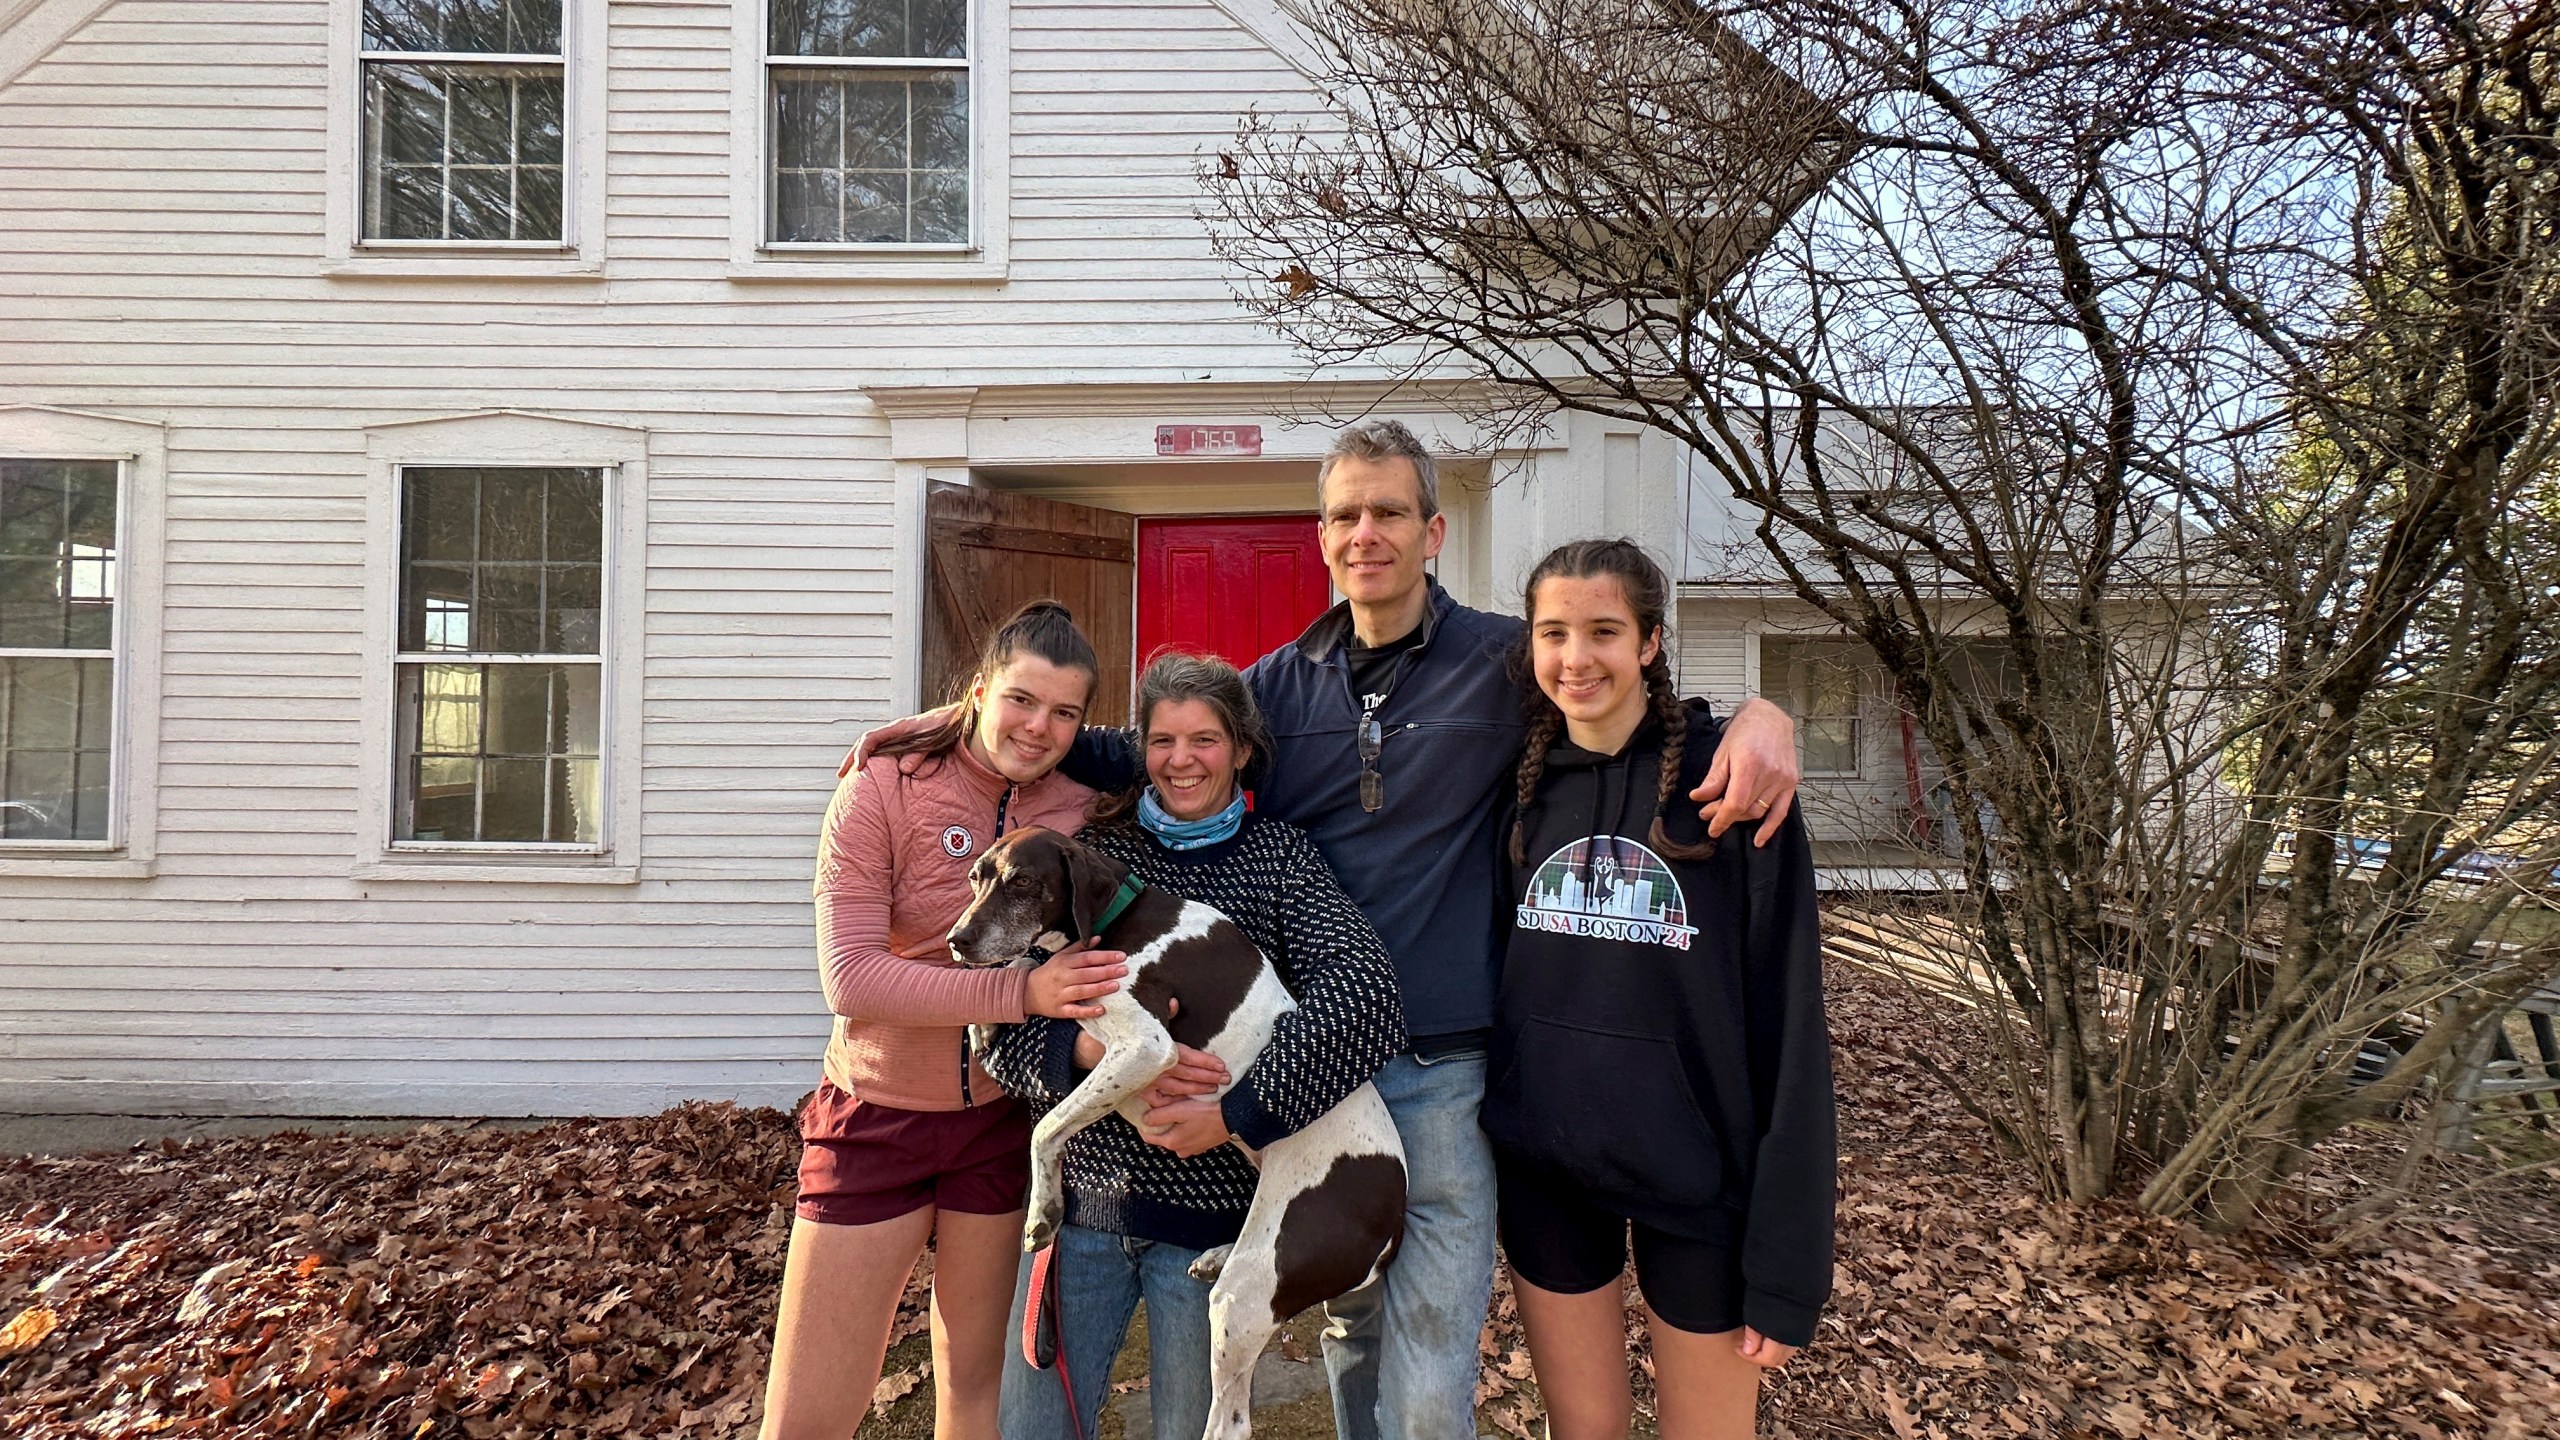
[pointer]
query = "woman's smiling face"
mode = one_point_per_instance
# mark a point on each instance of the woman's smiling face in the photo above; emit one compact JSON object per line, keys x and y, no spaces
{"x":1028,"y":714}
{"x":1191,"y":759}
{"x":1588,"y":654}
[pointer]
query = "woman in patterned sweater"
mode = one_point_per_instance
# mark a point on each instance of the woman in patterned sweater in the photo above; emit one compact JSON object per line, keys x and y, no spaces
{"x":1141,"y":1206}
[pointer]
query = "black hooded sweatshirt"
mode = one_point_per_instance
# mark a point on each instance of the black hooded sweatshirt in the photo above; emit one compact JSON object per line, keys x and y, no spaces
{"x":1659,"y":1032}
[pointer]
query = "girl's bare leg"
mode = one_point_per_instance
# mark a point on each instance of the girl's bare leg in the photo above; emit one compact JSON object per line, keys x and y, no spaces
{"x":840,"y":1289}
{"x":975,"y":1259}
{"x":1703,"y":1388}
{"x":1578,"y":1347}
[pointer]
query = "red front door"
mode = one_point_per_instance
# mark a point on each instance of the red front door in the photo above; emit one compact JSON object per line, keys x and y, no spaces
{"x":1236,"y":586}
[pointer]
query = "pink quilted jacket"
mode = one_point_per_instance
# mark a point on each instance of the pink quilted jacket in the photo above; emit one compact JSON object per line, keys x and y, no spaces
{"x":893,"y":874}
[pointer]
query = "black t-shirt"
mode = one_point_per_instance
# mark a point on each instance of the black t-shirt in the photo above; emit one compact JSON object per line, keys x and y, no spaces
{"x":1374,"y":670}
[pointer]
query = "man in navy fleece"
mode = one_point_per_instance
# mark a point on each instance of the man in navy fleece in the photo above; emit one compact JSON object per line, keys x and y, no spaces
{"x":1395,"y":725}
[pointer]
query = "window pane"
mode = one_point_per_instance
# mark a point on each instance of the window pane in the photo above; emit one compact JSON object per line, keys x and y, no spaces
{"x":57,"y":723}
{"x":462,"y":152}
{"x":447,"y":798}
{"x":483,"y":118}
{"x":477,"y":27}
{"x":573,"y":517}
{"x":808,"y":125}
{"x":808,"y":205}
{"x":511,"y":514}
{"x":539,"y":123}
{"x":940,"y":123}
{"x":1830,"y":745}
{"x":483,"y":204}
{"x":922,"y":29}
{"x":887,"y":153}
{"x":441,"y":517}
{"x":875,"y":119}
{"x":509,"y":617}
{"x":57,"y":554}
{"x":573,"y":612}
{"x":538,"y":202}
{"x":875,"y":206}
{"x":942,"y":208}
{"x":501,"y":752}
{"x":31,"y":607}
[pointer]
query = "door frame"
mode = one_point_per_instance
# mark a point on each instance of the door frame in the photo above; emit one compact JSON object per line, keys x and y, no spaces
{"x":1008,"y":437}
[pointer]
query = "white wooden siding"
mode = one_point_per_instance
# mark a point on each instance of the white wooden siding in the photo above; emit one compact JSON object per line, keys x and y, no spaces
{"x":161,"y":256}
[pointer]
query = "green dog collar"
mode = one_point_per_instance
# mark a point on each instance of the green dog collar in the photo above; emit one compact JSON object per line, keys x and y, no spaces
{"x":1131,"y":887}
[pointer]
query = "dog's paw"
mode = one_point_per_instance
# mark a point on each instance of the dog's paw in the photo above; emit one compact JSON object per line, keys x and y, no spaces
{"x":1205,"y":1268}
{"x":1037,"y":1232}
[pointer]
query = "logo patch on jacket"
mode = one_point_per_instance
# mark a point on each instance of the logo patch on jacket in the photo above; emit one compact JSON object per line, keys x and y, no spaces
{"x":1607,"y":887}
{"x":957,"y":842}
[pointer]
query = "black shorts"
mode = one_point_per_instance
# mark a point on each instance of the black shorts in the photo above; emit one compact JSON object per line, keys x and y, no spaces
{"x":1560,"y":1237}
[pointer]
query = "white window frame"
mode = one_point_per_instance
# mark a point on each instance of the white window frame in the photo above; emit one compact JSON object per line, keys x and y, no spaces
{"x":505,"y":439}
{"x":139,"y":450}
{"x":580,"y":249}
{"x":753,"y":256}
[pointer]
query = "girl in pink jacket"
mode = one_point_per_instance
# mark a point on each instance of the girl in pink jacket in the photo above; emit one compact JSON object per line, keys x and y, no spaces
{"x":907,"y":1139}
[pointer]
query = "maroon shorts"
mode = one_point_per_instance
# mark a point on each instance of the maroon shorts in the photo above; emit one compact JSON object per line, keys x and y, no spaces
{"x":861,"y":1164}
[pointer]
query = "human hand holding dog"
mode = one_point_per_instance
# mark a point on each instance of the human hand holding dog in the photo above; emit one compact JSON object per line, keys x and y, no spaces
{"x":1186,"y":1127}
{"x":1065,"y":985}
{"x":1194,"y":1072}
{"x":1762,"y":1351}
{"x":1754,"y":774}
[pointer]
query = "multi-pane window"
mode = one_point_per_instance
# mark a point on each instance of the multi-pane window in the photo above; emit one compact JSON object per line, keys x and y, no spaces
{"x":869,"y":121}
{"x":57,"y":648}
{"x":462,"y":120}
{"x":501,"y":651}
{"x":1825,"y":683}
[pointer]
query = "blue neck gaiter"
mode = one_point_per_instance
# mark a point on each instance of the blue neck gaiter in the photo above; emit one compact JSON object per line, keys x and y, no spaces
{"x":1175,"y":834}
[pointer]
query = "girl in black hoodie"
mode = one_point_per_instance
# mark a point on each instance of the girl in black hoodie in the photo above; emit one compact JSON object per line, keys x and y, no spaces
{"x":1660,"y":1058}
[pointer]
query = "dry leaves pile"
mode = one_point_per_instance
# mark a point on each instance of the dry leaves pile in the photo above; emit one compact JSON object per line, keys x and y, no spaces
{"x":1964,"y":1307}
{"x":618,"y":1278}
{"x":608,"y":1277}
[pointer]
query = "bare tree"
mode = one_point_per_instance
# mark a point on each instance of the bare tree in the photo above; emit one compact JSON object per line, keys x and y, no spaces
{"x":2163,"y":391}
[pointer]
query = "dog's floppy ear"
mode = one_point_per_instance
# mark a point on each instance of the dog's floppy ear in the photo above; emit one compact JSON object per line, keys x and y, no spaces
{"x":1092,"y":879}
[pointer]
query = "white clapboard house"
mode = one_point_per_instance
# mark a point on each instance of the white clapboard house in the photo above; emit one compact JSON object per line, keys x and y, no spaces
{"x":470,"y":468}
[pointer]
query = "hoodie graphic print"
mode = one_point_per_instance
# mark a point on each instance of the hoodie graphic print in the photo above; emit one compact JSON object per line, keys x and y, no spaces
{"x":1607,"y":887}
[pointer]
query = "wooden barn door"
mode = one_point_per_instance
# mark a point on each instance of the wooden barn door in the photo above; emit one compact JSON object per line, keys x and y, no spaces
{"x":988,"y":552}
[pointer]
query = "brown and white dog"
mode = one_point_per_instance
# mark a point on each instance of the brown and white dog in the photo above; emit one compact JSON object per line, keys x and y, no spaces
{"x":1328,"y":1212}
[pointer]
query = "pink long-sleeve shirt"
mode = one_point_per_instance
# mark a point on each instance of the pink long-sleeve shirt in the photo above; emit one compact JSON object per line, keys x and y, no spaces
{"x":893,"y":876}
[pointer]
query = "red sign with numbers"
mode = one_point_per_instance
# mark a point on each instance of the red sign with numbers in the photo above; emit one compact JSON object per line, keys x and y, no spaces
{"x":1208,"y":439}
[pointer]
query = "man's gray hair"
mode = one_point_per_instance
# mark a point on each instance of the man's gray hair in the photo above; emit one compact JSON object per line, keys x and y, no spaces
{"x":1384,"y":440}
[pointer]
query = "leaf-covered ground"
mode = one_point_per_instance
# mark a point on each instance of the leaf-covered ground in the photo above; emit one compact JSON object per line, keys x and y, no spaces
{"x":617,"y":1277}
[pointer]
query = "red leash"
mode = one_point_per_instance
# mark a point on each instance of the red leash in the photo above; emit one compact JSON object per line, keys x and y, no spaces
{"x":1044,"y":1331}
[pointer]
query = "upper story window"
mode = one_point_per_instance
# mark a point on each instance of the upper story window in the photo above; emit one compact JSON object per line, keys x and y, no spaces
{"x":868,"y":122}
{"x":500,"y":671}
{"x":463,"y":122}
{"x":58,"y":525}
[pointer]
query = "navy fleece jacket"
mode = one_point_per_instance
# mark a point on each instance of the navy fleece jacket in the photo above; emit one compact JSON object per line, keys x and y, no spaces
{"x":1422,"y":868}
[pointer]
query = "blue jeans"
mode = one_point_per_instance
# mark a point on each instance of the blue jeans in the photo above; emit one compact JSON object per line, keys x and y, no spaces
{"x":1403,"y":1362}
{"x":1106,"y":1276}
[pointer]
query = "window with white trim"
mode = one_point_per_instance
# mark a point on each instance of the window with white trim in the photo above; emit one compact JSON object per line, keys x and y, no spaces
{"x":867,"y":122}
{"x":463,"y":122}
{"x":1825,"y":683}
{"x":500,"y":671}
{"x":58,"y":560}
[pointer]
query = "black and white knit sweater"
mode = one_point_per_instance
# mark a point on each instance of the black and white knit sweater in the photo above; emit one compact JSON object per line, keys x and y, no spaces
{"x":1271,"y":881}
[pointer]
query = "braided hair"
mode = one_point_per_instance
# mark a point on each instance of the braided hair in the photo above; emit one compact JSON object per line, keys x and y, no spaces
{"x":1648,"y":594}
